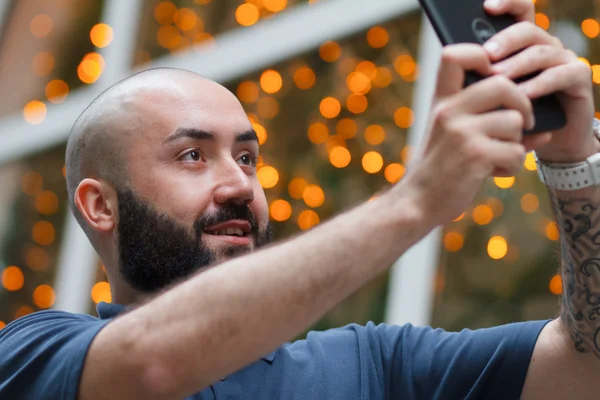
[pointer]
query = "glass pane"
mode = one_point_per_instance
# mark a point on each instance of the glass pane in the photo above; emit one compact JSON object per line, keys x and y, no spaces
{"x":46,"y":52}
{"x":32,"y":213}
{"x":500,"y":259}
{"x":173,"y":26}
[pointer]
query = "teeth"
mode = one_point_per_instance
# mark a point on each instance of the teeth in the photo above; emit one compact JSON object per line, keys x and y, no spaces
{"x":229,"y":231}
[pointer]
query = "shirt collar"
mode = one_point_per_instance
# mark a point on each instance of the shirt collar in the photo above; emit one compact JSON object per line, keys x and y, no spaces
{"x":111,"y":310}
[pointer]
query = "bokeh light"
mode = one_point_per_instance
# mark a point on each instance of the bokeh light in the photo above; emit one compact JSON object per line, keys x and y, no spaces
{"x":372,"y":162}
{"x":340,"y":157}
{"x":307,"y":219}
{"x":42,"y":63}
{"x":504,"y":182}
{"x":453,"y":241}
{"x":330,"y":51}
{"x":394,"y":172}
{"x":374,"y":134}
{"x":590,"y":28}
{"x":497,"y":247}
{"x":377,"y":37}
{"x":164,"y":12}
{"x":101,"y":35}
{"x":530,"y":203}
{"x":404,"y":117}
{"x":555,"y":285}
{"x":46,"y":203}
{"x":281,"y":210}
{"x":296,"y":188}
{"x":346,"y":128}
{"x":43,"y":296}
{"x":313,"y":196}
{"x":101,"y":292}
{"x":43,"y":233}
{"x":483,"y":214}
{"x":41,"y":25}
{"x":304,"y":78}
{"x":271,"y":81}
{"x":57,"y":91}
{"x":318,"y":133}
{"x":247,"y":14}
{"x":330,"y":107}
{"x":552,"y":231}
{"x":248,"y":92}
{"x":542,"y":21}
{"x":268,"y":177}
{"x":12,"y":278}
{"x":35,"y":112}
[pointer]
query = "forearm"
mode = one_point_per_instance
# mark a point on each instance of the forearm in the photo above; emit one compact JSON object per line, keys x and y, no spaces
{"x":229,"y":316}
{"x":578,"y":216}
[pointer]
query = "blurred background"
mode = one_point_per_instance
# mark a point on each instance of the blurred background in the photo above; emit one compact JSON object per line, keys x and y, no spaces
{"x":338,"y":92}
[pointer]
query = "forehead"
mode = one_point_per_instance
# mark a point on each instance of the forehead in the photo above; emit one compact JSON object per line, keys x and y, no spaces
{"x":164,"y":107}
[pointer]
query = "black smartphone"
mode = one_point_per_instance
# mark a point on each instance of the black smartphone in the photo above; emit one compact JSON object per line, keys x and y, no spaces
{"x":466,"y":21}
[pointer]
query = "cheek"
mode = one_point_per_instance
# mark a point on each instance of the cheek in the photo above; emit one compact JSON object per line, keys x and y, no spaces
{"x":259,"y":206}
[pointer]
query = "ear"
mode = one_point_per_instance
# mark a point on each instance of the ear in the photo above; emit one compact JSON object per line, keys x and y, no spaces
{"x":97,"y":201}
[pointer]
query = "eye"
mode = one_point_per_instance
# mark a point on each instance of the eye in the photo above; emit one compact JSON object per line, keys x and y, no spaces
{"x":192,"y":155}
{"x":247,"y":159}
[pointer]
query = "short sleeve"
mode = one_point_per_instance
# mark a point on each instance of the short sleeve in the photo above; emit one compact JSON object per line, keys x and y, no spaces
{"x":42,"y":354}
{"x":426,"y":363}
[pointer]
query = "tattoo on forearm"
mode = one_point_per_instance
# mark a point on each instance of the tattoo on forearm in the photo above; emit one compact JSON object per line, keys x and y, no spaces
{"x":579,"y":223}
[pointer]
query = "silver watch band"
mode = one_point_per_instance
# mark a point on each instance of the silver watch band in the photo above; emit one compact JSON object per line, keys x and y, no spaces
{"x":572,"y":176}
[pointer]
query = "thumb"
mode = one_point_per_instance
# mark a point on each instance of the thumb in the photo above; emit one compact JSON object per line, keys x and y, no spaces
{"x":456,"y":59}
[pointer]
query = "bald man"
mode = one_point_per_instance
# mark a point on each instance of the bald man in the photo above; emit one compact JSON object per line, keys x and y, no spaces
{"x":161,"y":175}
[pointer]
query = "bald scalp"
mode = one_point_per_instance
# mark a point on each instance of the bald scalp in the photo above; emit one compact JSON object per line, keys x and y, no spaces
{"x":97,"y":143}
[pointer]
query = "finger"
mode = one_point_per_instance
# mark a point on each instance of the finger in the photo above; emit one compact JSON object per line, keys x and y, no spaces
{"x":568,"y":78}
{"x":491,"y":94}
{"x":533,"y":59}
{"x":505,"y":156}
{"x":506,"y":125}
{"x":517,"y":37}
{"x":532,"y":142}
{"x":456,"y":59}
{"x":522,"y":10}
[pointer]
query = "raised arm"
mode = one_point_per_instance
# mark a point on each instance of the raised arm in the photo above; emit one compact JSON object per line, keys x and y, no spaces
{"x":225,"y":318}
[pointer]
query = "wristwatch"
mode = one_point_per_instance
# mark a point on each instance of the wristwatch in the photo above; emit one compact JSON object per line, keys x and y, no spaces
{"x":572,"y":176}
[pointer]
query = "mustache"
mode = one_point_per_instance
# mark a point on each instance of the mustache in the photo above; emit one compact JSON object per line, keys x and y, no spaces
{"x":224,"y":214}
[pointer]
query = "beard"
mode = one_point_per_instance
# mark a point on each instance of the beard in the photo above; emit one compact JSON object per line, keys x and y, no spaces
{"x":156,"y":251}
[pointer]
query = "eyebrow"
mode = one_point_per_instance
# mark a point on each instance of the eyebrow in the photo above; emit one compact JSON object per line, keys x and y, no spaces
{"x":198,"y":134}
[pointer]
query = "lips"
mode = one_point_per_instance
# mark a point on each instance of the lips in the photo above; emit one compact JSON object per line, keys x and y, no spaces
{"x":233,"y":231}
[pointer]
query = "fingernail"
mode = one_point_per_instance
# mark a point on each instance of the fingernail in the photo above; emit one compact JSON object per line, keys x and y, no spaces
{"x":492,"y":3}
{"x":532,"y":123}
{"x":492,"y":47}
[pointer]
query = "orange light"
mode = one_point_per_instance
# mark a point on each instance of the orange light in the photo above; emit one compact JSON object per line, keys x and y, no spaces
{"x":359,"y":83}
{"x":496,"y":205}
{"x":186,"y":19}
{"x":164,"y":12}
{"x":394,"y":172}
{"x":357,"y":103}
{"x":43,"y":233}
{"x":530,"y":203}
{"x":504,"y":183}
{"x":281,"y":210}
{"x":367,"y":68}
{"x":377,"y":37}
{"x":296,"y":188}
{"x":453,"y":241}
{"x":340,"y":157}
{"x":2,"y":324}
{"x":41,"y":25}
{"x":552,"y":231}
{"x":101,"y":35}
{"x":555,"y":285}
{"x":334,"y":141}
{"x":406,"y":154}
{"x":307,"y":219}
{"x":32,"y":183}
{"x":313,"y":196}
{"x":261,"y":133}
{"x":43,"y":63}
{"x":43,"y":296}
{"x":268,"y":177}
{"x":596,"y":74}
{"x":383,"y":78}
{"x":101,"y":292}
{"x":346,"y":128}
{"x":404,"y":117}
{"x":542,"y":21}
{"x":271,"y":81}
{"x":268,"y":107}
{"x":37,"y":259}
{"x":460,"y":217}
{"x":530,"y":164}
{"x":247,"y":92}
{"x":590,"y":28}
{"x":247,"y":14}
{"x":275,"y":5}
{"x":330,"y":107}
{"x":35,"y":112}
{"x":47,"y":203}
{"x":585,"y":61}
{"x":23,"y":311}
{"x":330,"y":51}
{"x":91,"y":67}
{"x":406,"y":67}
{"x":168,"y":37}
{"x":12,"y":278}
{"x":483,"y":214}
{"x":304,"y":78}
{"x":497,"y":247}
{"x":372,"y":162}
{"x":374,"y":134}
{"x":318,"y":133}
{"x":57,"y":91}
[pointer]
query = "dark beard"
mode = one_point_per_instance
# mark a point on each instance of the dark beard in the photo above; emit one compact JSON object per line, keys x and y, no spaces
{"x":156,"y":251}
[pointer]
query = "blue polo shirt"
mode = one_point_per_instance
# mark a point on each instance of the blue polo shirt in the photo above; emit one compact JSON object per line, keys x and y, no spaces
{"x":42,"y":357}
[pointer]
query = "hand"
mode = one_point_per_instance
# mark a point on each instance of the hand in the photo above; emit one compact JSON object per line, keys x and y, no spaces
{"x":469,"y":138}
{"x":562,"y":74}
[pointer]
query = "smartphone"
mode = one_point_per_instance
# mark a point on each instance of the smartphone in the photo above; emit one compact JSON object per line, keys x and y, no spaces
{"x":466,"y":21}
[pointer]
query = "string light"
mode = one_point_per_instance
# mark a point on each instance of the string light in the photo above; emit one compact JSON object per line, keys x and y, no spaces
{"x":271,"y":81}
{"x":101,"y":35}
{"x":340,"y":157}
{"x":41,"y":25}
{"x":453,"y":241}
{"x":330,"y":51}
{"x":330,"y":107}
{"x":497,"y":247}
{"x":307,"y":219}
{"x":12,"y":278}
{"x":372,"y":162}
{"x":394,"y":172}
{"x":555,"y":285}
{"x":281,"y":210}
{"x":313,"y":196}
{"x":43,"y":296}
{"x":247,"y":14}
{"x":318,"y":133}
{"x":374,"y":134}
{"x":268,"y":177}
{"x":504,"y":182}
{"x":304,"y":78}
{"x":296,"y":188}
{"x":101,"y":292}
{"x":346,"y":128}
{"x":378,"y":37}
{"x":404,"y":117}
{"x":35,"y":112}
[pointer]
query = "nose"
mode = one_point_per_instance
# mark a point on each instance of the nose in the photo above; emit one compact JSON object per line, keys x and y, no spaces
{"x":233,"y":184}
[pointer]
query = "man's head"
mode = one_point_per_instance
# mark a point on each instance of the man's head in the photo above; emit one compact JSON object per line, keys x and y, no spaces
{"x":161,"y":174}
